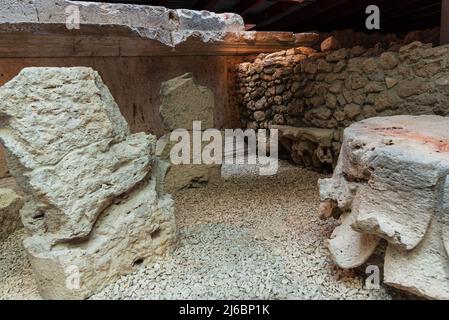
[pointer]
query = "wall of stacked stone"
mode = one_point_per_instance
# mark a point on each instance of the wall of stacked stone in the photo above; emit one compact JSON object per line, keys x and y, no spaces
{"x":304,"y":88}
{"x":349,"y":38}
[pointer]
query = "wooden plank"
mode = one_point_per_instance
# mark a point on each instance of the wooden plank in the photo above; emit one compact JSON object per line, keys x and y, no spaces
{"x":243,"y":7}
{"x":28,"y":45}
{"x":205,"y":5}
{"x":444,"y":31}
{"x":135,"y":83}
{"x":94,"y":45}
{"x":308,"y":11}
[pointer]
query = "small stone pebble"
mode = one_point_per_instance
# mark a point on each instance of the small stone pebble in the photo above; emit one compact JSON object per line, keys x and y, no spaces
{"x":244,"y":237}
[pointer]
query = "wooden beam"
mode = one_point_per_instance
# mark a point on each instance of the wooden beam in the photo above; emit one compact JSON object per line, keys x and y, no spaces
{"x":301,"y":13}
{"x":401,"y":18}
{"x":352,"y":15}
{"x":206,"y":5}
{"x":157,"y":2}
{"x":245,"y":6}
{"x":444,"y":26}
{"x":277,"y":11}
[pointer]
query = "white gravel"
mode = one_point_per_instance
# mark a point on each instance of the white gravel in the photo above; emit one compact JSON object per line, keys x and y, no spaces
{"x":16,"y":278}
{"x":242,"y":238}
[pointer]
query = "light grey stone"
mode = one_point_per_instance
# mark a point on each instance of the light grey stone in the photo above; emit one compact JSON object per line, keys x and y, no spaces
{"x":93,"y":190}
{"x":140,"y":228}
{"x":184,"y":101}
{"x":167,"y":26}
{"x":398,"y":168}
{"x":10,"y":204}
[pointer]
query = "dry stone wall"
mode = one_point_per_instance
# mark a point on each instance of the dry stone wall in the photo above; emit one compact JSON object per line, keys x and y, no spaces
{"x":349,"y":38}
{"x":329,"y":90}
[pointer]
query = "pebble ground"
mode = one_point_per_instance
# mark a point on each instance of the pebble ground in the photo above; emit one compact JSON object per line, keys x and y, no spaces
{"x":239,"y":238}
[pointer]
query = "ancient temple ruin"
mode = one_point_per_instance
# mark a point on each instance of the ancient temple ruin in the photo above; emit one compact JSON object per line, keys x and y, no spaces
{"x":93,"y":206}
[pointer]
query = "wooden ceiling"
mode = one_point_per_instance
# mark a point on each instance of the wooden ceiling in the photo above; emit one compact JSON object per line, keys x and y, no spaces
{"x":319,"y":15}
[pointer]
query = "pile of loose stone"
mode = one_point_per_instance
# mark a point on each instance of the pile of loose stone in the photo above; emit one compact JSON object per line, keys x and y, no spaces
{"x":349,"y":38}
{"x":391,"y":183}
{"x":311,"y":95}
{"x":93,"y":190}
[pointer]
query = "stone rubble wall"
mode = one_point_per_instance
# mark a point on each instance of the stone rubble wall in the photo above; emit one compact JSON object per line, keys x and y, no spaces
{"x":349,"y":38}
{"x":304,"y":88}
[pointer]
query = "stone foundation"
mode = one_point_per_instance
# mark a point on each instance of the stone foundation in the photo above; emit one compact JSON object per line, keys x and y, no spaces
{"x":312,"y":90}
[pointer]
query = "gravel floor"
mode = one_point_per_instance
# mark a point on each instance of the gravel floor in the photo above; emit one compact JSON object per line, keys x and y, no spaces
{"x":241,"y":238}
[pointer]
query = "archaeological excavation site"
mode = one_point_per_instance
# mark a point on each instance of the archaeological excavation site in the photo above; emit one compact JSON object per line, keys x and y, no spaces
{"x":224,"y":150}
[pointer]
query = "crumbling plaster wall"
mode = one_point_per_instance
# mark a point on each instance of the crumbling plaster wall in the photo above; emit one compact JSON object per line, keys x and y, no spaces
{"x":329,"y":90}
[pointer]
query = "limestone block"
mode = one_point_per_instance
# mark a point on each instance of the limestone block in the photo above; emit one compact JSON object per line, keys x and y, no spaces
{"x":68,"y":141}
{"x":180,"y":176}
{"x":391,"y":183}
{"x":424,"y":270}
{"x":184,"y":101}
{"x":10,"y":204}
{"x":94,"y":202}
{"x":167,"y":26}
{"x":127,"y":233}
{"x":350,"y":248}
{"x":3,"y":165}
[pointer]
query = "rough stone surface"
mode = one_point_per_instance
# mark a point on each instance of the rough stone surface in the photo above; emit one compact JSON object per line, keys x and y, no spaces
{"x":184,"y":101}
{"x":136,"y":230}
{"x":330,"y":44}
{"x":391,"y":180}
{"x":349,"y":248}
{"x":10,"y":204}
{"x":167,"y":26}
{"x":88,"y":180}
{"x":330,"y":90}
{"x":180,"y":176}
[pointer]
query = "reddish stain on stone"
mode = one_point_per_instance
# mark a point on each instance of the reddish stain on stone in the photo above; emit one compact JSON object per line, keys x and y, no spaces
{"x":441,"y":145}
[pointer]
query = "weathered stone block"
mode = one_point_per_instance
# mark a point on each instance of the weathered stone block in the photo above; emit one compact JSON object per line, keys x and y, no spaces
{"x":92,"y":189}
{"x":184,"y":101}
{"x":391,"y":183}
{"x":181,"y":176}
{"x":10,"y":204}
